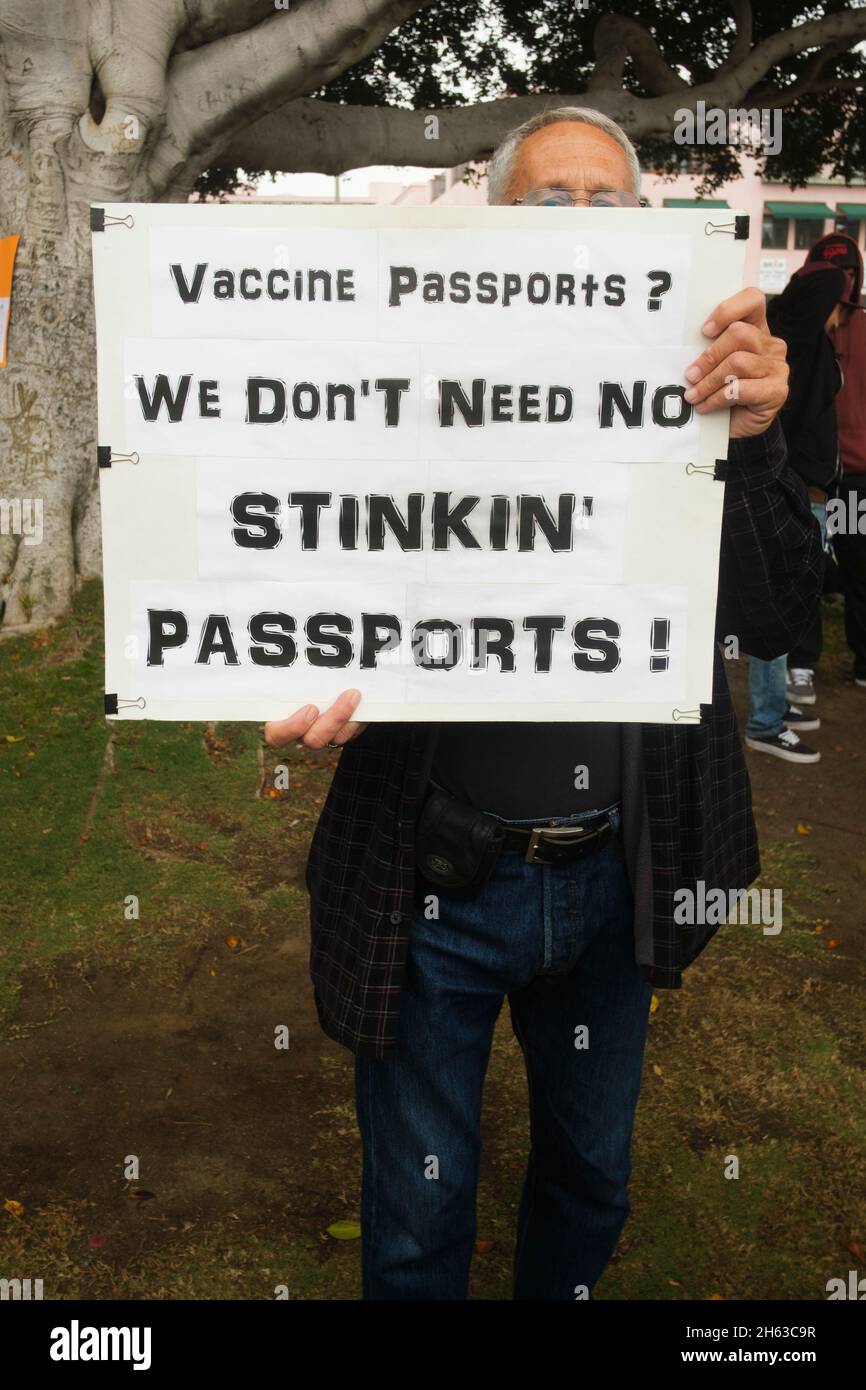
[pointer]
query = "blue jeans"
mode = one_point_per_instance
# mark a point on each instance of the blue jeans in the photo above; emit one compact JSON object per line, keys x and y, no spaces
{"x":768,"y":679}
{"x":767,"y":698}
{"x":558,"y":941}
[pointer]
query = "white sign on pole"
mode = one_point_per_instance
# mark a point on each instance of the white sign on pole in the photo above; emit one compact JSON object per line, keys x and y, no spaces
{"x":772,"y":274}
{"x":440,"y":455}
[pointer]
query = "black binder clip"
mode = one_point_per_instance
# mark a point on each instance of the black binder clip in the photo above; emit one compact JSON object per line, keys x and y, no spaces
{"x":113,"y":704}
{"x":105,"y":458}
{"x":738,"y":229}
{"x":715,"y":470}
{"x":99,"y":220}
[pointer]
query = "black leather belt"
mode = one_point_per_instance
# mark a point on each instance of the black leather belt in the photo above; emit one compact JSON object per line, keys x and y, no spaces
{"x":558,"y":844}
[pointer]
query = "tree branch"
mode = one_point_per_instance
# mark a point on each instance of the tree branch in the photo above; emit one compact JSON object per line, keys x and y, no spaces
{"x":742,"y":44}
{"x":655,"y":115}
{"x":214,"y":19}
{"x":786,"y":96}
{"x":617,"y":38}
{"x":833,"y":84}
{"x":308,"y":134}
{"x":844,"y":27}
{"x":314,"y":135}
{"x":317,"y":135}
{"x":215,"y":91}
{"x":130,"y":42}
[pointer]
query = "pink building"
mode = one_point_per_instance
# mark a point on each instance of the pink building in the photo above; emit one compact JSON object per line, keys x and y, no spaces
{"x":783,"y":223}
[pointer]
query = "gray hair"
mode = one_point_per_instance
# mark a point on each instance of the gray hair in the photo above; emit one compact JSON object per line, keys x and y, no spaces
{"x":501,"y":165}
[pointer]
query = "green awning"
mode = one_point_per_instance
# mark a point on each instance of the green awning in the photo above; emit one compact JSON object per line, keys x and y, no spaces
{"x":696,"y":203}
{"x":855,"y":212}
{"x":816,"y":212}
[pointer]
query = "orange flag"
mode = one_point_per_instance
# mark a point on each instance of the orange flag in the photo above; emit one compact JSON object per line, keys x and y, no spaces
{"x":8,"y":247}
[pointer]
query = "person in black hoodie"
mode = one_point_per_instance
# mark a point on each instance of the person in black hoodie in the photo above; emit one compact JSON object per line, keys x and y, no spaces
{"x":803,"y":315}
{"x":848,"y":539}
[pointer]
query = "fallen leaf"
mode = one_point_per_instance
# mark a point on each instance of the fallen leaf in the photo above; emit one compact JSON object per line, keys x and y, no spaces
{"x":832,"y":944}
{"x":14,"y":1208}
{"x":140,"y":1194}
{"x":819,"y":927}
{"x":97,"y":1242}
{"x":483,"y":1247}
{"x":13,"y":738}
{"x":856,"y":1249}
{"x":803,"y":829}
{"x":654,"y":1003}
{"x":345,"y":1230}
{"x":232,"y":942}
{"x":657,"y":1069}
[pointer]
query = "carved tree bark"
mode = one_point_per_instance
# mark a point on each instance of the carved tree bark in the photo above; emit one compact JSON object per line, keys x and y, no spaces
{"x":130,"y":100}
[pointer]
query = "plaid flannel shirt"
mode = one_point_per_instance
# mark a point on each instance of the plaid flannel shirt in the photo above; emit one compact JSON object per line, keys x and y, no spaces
{"x":360,"y":871}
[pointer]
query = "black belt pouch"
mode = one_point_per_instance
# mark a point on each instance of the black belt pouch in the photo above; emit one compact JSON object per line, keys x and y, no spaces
{"x":456,"y":847}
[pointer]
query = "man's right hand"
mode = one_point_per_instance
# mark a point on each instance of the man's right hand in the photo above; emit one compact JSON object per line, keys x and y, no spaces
{"x":334,"y":725}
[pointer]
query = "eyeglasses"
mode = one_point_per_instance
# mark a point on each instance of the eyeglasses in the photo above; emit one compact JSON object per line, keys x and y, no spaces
{"x":565,"y":198}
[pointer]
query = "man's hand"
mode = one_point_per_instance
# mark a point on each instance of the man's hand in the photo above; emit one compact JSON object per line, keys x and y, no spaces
{"x":744,"y":349}
{"x":317,"y":730}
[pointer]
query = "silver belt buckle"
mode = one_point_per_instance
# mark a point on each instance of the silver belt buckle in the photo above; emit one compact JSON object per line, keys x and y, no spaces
{"x":567,"y":834}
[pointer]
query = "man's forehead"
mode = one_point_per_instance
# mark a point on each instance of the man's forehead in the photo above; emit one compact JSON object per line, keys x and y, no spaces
{"x":561,"y":147}
{"x":562,"y":175}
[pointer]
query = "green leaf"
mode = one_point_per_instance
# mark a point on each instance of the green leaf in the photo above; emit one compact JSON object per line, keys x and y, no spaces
{"x":345,"y":1230}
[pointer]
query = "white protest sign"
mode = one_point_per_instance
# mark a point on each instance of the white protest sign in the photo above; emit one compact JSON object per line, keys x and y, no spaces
{"x":441,"y":455}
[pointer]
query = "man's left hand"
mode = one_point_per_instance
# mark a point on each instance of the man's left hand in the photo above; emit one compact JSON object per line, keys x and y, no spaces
{"x":753,"y":361}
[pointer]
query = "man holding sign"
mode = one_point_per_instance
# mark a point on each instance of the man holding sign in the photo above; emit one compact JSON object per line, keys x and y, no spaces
{"x":457,"y":864}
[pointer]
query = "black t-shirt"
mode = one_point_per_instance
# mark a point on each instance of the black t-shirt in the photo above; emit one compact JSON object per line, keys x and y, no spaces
{"x":521,"y":770}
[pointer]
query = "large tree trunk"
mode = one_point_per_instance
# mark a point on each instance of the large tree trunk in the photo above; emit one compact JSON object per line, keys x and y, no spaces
{"x":47,"y":397}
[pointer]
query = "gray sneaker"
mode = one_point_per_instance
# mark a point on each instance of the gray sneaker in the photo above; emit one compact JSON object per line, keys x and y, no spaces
{"x":800,"y":689}
{"x":785,"y":745}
